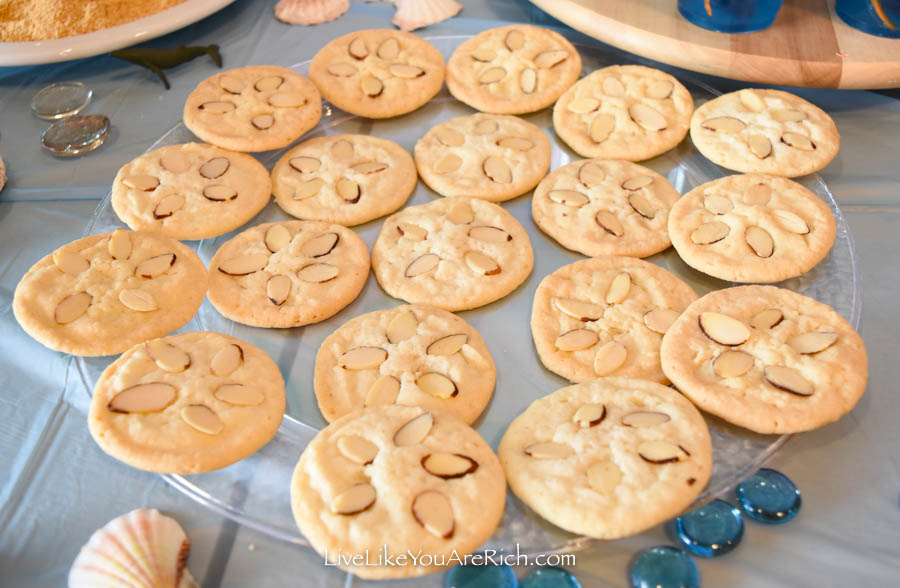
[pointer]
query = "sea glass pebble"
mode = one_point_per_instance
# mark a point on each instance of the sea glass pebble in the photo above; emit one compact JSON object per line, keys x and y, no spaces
{"x":488,"y":576}
{"x":61,"y":100}
{"x":550,"y":577}
{"x":713,"y":529}
{"x":664,"y":566}
{"x":76,"y":134}
{"x":769,"y":496}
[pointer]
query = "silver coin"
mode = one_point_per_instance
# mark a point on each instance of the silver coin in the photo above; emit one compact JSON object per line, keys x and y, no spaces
{"x":76,"y":135}
{"x":60,"y":100}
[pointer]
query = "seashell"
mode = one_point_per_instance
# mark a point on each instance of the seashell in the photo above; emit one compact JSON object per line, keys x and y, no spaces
{"x":2,"y":174}
{"x":140,"y":549}
{"x":310,"y":12}
{"x":415,"y":14}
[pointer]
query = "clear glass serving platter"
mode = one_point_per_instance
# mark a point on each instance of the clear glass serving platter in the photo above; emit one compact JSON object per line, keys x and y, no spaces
{"x":255,"y":491}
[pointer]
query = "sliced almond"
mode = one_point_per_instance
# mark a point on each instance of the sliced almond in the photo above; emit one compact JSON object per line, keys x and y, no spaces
{"x":215,"y":167}
{"x":263,"y":121}
{"x":304,"y":164}
{"x":142,"y":182}
{"x":758,"y":194}
{"x":449,"y":465}
{"x":609,"y":357}
{"x":414,"y":431}
{"x":767,"y":319}
{"x":645,"y":418}
{"x":422,"y":265}
{"x":481,"y":263}
{"x":219,"y":193}
{"x":342,"y":149}
{"x":460,"y":213}
{"x":489,"y":234}
{"x":717,"y":204}
{"x":437,"y":385}
{"x":619,"y":288}
{"x":384,"y":391}
{"x":659,"y":452}
{"x":789,"y":380}
{"x":788,"y":115}
{"x":447,"y":164}
{"x":548,"y":59}
{"x":549,"y":450}
{"x":320,"y":245}
{"x":278,"y":288}
{"x":497,"y":169}
{"x":243,"y":265}
{"x":517,"y":143}
{"x":226,"y":360}
{"x":268,"y":83}
{"x":723,"y":124}
{"x":642,"y":205}
{"x":202,"y":418}
{"x":709,"y":233}
{"x":348,"y":190}
{"x":576,"y":340}
{"x":601,"y":126}
{"x":604,"y":477}
{"x":637,"y":182}
{"x":759,"y":146}
{"x":568,"y":197}
{"x":137,"y":299}
{"x":231,"y":84}
{"x":358,"y":50}
{"x":647,"y":117}
{"x":277,"y":238}
{"x":371,"y":86}
{"x":308,"y":189}
{"x":175,"y":162}
{"x":317,"y":273}
{"x":447,"y":345}
{"x":732,"y":364}
{"x":589,"y":415}
{"x":483,"y":54}
{"x":119,"y":245}
{"x":341,"y":70}
{"x":168,"y":206}
{"x":150,"y":397}
{"x":354,"y":500}
{"x":528,"y":80}
{"x":486,"y":126}
{"x":411,"y":231}
{"x":659,"y":320}
{"x":239,"y":395}
{"x":798,"y":141}
{"x":514,"y":40}
{"x":591,"y":174}
{"x":583,"y":105}
{"x":432,"y":510}
{"x":577,"y":309}
{"x":791,"y":221}
{"x":217,"y":107}
{"x":357,"y":449}
{"x":613,"y":87}
{"x":167,"y":356}
{"x":402,"y":327}
{"x":723,"y":329}
{"x":362,"y":358}
{"x":492,"y":75}
{"x":389,"y":49}
{"x":751,"y":101}
{"x":659,"y":89}
{"x":760,"y":241}
{"x":70,"y":262}
{"x":71,"y":307}
{"x":609,"y":223}
{"x":403,"y":70}
{"x":809,"y":343}
{"x":155,"y":266}
{"x":286,"y":100}
{"x":450,"y":137}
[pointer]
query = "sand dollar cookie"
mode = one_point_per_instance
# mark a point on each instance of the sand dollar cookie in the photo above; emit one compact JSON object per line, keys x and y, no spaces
{"x":102,"y":294}
{"x":605,"y":207}
{"x":378,"y":73}
{"x":624,"y":112}
{"x":765,"y":131}
{"x":606,"y":316}
{"x":513,"y":69}
{"x":485,"y":156}
{"x":413,"y":355}
{"x":751,"y":228}
{"x":397,"y":478}
{"x":767,"y":359}
{"x":253,"y":108}
{"x":288,"y":274}
{"x":188,"y":403}
{"x":453,"y":253}
{"x":608,"y":458}
{"x":190,"y":191}
{"x":344,"y":179}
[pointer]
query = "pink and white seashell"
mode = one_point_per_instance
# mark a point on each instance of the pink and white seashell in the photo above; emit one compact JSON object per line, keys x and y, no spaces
{"x":415,"y":14}
{"x":310,"y":12}
{"x":140,"y":549}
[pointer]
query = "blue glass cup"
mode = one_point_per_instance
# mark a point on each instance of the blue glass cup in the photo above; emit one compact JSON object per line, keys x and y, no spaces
{"x":876,"y":17}
{"x":730,"y":16}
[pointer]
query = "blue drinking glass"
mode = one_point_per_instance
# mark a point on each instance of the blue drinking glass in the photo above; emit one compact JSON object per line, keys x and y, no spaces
{"x":876,"y":17}
{"x":730,"y":16}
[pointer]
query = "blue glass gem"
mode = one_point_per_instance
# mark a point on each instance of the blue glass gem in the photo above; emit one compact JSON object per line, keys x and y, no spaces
{"x":769,"y":497}
{"x":664,"y":566}
{"x":550,"y":577}
{"x":481,"y":577}
{"x":713,"y":529}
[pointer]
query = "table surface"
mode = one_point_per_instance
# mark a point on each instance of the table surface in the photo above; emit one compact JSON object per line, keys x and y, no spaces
{"x":58,"y":487}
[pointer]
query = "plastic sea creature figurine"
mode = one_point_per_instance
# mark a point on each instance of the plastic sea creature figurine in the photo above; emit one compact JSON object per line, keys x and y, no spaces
{"x":158,"y":59}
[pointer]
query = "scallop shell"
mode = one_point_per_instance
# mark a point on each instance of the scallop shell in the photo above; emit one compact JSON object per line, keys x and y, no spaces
{"x":310,"y":12}
{"x":415,"y":14}
{"x":140,"y":549}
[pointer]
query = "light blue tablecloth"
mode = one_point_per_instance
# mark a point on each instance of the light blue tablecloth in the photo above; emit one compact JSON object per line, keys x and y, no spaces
{"x":57,"y":486}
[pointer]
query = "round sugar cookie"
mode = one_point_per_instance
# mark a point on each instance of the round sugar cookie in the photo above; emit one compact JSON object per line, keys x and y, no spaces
{"x":378,"y":73}
{"x":608,"y":458}
{"x":513,"y":69}
{"x":188,"y":403}
{"x":624,"y":112}
{"x":606,"y":316}
{"x":487,"y":156}
{"x":253,"y":108}
{"x":288,"y":274}
{"x":751,"y":228}
{"x":413,"y":355}
{"x":766,"y":359}
{"x":102,"y":294}
{"x":453,"y":253}
{"x":343,"y":179}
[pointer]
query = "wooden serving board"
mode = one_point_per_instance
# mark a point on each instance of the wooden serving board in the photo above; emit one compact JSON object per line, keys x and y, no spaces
{"x":808,"y":45}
